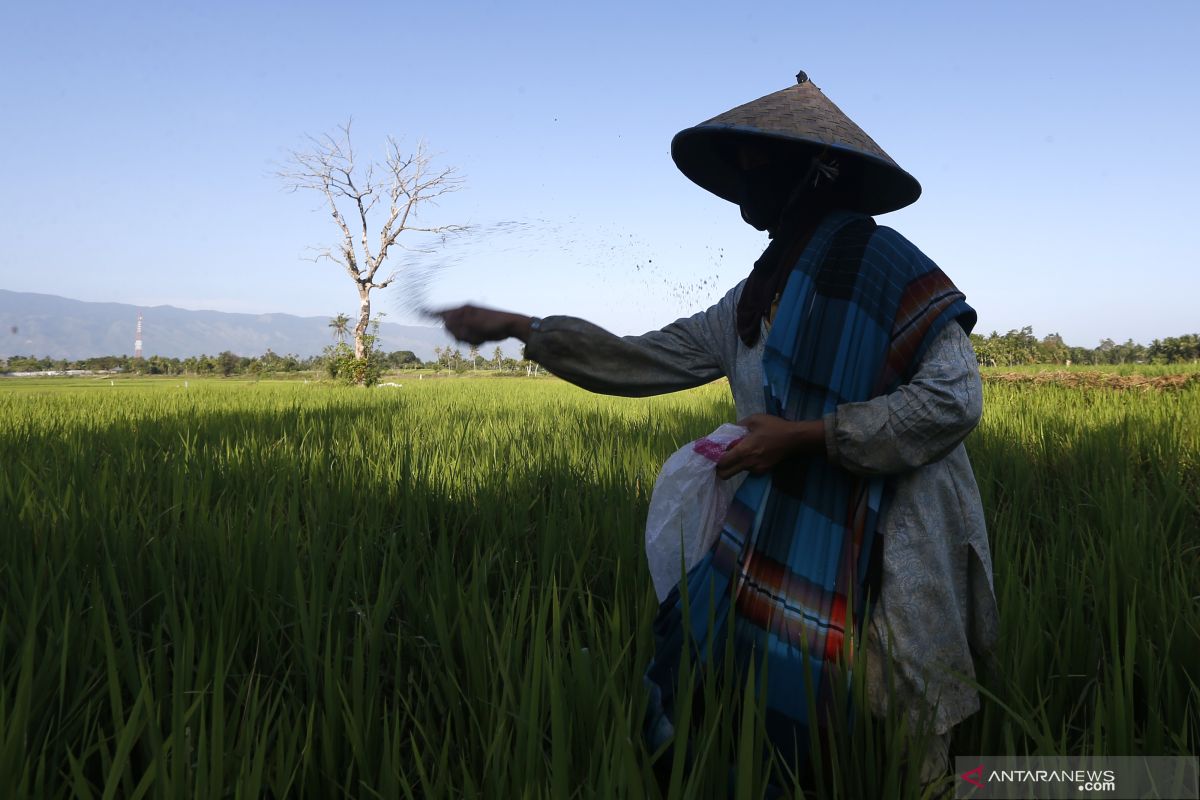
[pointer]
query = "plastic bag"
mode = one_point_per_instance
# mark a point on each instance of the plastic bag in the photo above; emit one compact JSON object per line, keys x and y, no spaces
{"x":687,"y":507}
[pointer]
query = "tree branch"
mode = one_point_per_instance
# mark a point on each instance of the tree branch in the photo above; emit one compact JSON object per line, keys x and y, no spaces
{"x":408,"y":182}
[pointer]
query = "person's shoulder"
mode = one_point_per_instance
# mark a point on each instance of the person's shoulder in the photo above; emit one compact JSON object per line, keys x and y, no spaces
{"x":722,"y":315}
{"x":734,"y":294}
{"x":891,"y":244}
{"x":729,"y":300}
{"x":892,"y":237}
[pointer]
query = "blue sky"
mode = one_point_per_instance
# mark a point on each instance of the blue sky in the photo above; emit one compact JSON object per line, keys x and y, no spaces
{"x":1055,"y":142}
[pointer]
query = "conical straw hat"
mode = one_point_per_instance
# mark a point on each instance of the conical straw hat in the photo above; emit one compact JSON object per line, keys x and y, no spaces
{"x":803,"y":117}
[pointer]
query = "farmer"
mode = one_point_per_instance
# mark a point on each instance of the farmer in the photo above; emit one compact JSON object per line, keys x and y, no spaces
{"x":847,"y":353}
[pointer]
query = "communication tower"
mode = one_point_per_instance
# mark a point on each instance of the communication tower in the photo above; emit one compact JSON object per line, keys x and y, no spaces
{"x":137,"y":342}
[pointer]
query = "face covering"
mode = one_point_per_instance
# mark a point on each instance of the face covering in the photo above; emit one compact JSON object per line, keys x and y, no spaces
{"x":765,"y":193}
{"x":790,"y":209}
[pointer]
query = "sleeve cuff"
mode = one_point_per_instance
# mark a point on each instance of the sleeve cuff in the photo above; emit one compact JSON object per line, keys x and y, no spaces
{"x":539,"y":329}
{"x":831,"y":449}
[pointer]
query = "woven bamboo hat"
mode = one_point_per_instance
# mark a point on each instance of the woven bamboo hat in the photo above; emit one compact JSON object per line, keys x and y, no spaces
{"x":799,"y":119}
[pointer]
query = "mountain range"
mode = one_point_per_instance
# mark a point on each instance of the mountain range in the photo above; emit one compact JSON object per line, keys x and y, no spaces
{"x":33,"y":324}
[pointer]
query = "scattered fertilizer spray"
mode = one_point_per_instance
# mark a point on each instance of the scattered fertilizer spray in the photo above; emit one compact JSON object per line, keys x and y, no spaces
{"x":599,"y":255}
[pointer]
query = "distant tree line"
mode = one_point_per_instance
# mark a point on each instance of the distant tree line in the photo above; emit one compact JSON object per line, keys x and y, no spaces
{"x":453,"y":360}
{"x":1022,"y":347}
{"x":229,"y":364}
{"x":226,"y":363}
{"x":998,"y":350}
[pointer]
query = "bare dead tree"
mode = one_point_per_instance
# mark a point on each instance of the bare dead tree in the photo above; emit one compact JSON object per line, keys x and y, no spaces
{"x":401,"y":186}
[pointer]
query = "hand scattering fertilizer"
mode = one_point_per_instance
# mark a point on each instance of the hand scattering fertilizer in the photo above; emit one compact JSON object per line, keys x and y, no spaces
{"x":687,"y":507}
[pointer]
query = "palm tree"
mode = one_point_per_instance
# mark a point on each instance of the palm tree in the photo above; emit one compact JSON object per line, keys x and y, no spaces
{"x":340,"y":324}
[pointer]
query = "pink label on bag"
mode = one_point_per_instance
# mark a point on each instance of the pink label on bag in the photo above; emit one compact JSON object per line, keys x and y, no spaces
{"x":712,"y":450}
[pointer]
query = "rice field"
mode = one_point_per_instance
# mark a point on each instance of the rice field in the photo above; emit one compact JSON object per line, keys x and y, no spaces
{"x":287,"y":590}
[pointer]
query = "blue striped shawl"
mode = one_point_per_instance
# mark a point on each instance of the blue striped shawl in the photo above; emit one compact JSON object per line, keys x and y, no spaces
{"x":788,"y":576}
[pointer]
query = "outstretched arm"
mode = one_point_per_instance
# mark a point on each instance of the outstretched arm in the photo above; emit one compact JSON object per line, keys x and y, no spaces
{"x":684,"y":354}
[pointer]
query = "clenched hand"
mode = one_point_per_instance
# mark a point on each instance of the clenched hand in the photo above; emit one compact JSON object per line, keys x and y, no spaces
{"x":475,"y":325}
{"x":770,"y":440}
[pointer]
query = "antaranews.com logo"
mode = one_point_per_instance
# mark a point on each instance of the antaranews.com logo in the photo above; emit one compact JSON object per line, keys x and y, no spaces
{"x":1087,"y":780}
{"x":1113,"y":777}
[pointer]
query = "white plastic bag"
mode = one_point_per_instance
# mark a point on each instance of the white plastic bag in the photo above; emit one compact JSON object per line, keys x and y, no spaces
{"x":688,"y":507}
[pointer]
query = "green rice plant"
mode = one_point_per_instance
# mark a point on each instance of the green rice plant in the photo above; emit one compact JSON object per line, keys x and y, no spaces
{"x":1150,"y":370}
{"x":1094,"y":518}
{"x":289,"y":590}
